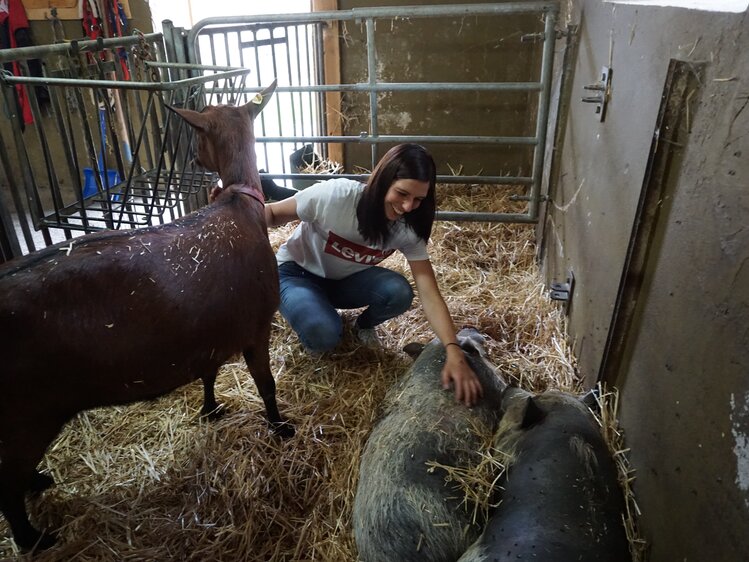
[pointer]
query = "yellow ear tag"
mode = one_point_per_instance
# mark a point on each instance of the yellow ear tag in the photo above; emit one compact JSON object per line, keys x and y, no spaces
{"x":258,"y":99}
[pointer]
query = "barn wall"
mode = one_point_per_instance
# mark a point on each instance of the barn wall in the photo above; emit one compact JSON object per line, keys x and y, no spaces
{"x":481,"y":49}
{"x":140,"y":13}
{"x":682,"y":370}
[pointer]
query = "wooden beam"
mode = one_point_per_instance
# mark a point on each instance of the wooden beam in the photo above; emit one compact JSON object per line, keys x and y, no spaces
{"x":66,"y":9}
{"x":332,"y":69}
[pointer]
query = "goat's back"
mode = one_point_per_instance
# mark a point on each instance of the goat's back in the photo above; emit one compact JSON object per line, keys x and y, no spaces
{"x":122,"y":316}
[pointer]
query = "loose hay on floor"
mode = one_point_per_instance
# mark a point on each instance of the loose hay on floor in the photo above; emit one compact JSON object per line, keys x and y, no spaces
{"x":151,"y":481}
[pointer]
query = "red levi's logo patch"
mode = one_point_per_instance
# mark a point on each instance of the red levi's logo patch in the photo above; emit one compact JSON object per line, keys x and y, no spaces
{"x":347,"y":250}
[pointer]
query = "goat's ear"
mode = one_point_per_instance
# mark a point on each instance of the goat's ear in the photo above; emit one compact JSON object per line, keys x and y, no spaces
{"x":261,"y":99}
{"x":194,"y":118}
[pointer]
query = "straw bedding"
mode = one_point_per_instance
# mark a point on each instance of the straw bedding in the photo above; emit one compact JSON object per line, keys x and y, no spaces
{"x":151,"y":481}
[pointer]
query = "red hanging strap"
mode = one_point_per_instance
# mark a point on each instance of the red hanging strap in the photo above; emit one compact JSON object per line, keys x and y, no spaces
{"x":117,"y":24}
{"x":17,"y":19}
{"x":91,"y":25}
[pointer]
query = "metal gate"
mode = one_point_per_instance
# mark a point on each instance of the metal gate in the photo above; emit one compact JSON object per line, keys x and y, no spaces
{"x":241,"y":40}
{"x":103,"y":152}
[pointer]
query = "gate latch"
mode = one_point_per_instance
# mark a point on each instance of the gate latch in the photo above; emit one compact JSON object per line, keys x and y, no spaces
{"x":602,"y":90}
{"x":563,"y":291}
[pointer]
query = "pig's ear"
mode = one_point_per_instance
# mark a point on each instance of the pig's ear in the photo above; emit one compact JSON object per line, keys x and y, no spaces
{"x":533,"y":414}
{"x":591,"y":399}
{"x":414,"y":349}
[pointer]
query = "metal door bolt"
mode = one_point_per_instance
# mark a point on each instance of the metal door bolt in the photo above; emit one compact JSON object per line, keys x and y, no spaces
{"x":603,"y":90}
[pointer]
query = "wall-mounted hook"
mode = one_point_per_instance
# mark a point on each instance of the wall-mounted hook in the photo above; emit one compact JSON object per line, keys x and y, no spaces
{"x":603,"y":89}
{"x":532,"y":37}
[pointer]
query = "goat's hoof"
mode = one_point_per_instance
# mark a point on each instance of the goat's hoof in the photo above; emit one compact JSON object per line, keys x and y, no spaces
{"x":35,"y":540}
{"x":46,"y":541}
{"x":214,"y":414}
{"x":40,"y":482}
{"x":283,"y":429}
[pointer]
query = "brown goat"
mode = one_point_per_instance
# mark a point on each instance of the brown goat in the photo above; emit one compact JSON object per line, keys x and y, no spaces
{"x":120,"y":316}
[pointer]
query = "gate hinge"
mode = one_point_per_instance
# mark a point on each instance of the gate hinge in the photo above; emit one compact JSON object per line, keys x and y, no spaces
{"x":563,"y":291}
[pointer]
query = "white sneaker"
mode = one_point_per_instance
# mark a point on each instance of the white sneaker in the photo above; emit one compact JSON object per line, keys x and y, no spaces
{"x":368,"y":338}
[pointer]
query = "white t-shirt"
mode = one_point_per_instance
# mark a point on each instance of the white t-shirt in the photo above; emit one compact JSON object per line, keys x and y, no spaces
{"x":327,"y":242}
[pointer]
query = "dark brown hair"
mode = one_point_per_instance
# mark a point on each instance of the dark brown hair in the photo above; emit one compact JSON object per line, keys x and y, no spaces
{"x":403,"y":161}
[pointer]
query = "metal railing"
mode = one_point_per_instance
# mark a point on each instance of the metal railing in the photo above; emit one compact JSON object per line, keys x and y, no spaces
{"x":219,"y":31}
{"x":104,"y":152}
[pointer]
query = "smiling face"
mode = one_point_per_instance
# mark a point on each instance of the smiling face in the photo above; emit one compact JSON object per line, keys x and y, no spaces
{"x":404,"y":196}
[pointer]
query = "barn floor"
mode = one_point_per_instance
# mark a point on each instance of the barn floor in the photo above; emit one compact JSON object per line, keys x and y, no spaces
{"x":152,"y":482}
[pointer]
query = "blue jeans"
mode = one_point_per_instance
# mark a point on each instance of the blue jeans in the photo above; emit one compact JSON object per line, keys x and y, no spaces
{"x":309,"y":302}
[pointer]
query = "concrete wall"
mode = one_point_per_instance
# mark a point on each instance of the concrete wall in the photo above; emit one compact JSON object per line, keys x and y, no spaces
{"x":682,"y":372}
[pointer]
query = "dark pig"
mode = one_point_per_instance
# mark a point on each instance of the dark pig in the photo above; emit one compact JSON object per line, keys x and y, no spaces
{"x":561,"y":500}
{"x":403,"y":510}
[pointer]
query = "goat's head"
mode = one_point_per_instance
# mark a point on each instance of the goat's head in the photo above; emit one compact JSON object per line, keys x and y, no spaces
{"x":225,"y":130}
